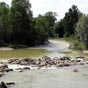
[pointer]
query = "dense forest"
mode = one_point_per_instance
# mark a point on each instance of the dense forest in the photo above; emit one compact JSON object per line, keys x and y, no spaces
{"x":19,"y":27}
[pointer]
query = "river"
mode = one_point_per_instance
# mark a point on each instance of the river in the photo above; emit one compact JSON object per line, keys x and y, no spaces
{"x":55,"y":48}
{"x":50,"y":78}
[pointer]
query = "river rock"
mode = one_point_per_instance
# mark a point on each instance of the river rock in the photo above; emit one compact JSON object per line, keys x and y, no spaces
{"x":3,"y":85}
{"x":26,"y":68}
{"x":81,"y":63}
{"x":8,"y":70}
{"x":10,"y":83}
{"x":3,"y":67}
{"x":75,"y":70}
{"x":1,"y":74}
{"x":23,"y":63}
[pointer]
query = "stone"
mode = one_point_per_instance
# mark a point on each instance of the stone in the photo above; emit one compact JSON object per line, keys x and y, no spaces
{"x":8,"y":70}
{"x":10,"y":83}
{"x":1,"y":74}
{"x":3,"y":85}
{"x":81,"y":63}
{"x":26,"y":68}
{"x":75,"y":70}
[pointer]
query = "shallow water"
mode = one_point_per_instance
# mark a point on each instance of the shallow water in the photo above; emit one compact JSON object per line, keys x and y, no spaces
{"x":49,"y":78}
{"x":53,"y":49}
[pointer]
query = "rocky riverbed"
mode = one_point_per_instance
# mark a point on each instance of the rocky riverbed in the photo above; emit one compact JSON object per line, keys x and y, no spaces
{"x":65,"y":72}
{"x":43,"y":63}
{"x":63,"y":77}
{"x":55,"y":70}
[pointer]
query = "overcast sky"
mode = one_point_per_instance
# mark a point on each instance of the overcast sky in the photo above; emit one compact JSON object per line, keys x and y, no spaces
{"x":59,"y":6}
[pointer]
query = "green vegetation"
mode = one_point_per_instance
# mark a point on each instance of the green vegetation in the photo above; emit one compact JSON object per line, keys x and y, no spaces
{"x":66,"y":26}
{"x":21,"y":53}
{"x":82,"y":30}
{"x":74,"y":53}
{"x":18,"y":27}
{"x":74,"y":28}
{"x":75,"y":43}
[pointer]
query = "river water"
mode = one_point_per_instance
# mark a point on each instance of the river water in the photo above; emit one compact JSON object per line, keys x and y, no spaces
{"x":50,"y":78}
{"x":54,"y":48}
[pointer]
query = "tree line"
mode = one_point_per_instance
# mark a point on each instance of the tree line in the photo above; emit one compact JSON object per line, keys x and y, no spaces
{"x":19,"y":27}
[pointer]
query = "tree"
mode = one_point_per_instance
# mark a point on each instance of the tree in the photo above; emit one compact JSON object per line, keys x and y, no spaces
{"x":26,"y":5}
{"x":59,"y":28}
{"x":41,"y":29}
{"x":4,"y":11}
{"x":21,"y":22}
{"x":50,"y":22}
{"x":82,"y":30}
{"x":44,"y":25}
{"x":70,"y":20}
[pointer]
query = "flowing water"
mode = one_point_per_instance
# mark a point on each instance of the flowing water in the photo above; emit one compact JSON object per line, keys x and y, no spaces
{"x":54,"y":48}
{"x":50,"y":78}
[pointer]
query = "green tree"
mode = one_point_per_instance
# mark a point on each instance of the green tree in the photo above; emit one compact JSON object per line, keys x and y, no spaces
{"x":4,"y":11}
{"x":70,"y":20}
{"x":59,"y":28}
{"x":21,"y":22}
{"x":26,"y":5}
{"x":40,"y":26}
{"x":50,"y":22}
{"x":82,"y":30}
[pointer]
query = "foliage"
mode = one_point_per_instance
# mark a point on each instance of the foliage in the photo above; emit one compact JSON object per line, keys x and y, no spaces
{"x":50,"y":22}
{"x":75,"y":43}
{"x":20,"y":23}
{"x":44,"y":24}
{"x":59,"y":29}
{"x":70,"y":20}
{"x":40,"y":27}
{"x":18,"y":27}
{"x":82,"y":30}
{"x":4,"y":10}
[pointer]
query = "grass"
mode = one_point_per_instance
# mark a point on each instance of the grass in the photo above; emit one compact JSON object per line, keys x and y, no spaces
{"x":21,"y":53}
{"x":78,"y":48}
{"x":76,"y":53}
